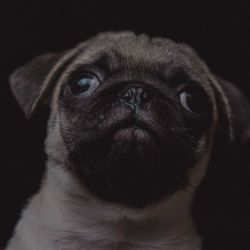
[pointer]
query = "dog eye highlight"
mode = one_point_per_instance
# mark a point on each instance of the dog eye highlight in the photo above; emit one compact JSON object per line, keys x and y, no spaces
{"x":86,"y":84}
{"x":192,"y":101}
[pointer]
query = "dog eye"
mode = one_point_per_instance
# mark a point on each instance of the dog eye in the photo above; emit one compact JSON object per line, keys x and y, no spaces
{"x":84,"y":85}
{"x":192,"y":101}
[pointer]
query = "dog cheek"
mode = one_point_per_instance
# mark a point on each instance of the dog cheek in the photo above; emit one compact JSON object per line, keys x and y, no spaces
{"x":54,"y":143}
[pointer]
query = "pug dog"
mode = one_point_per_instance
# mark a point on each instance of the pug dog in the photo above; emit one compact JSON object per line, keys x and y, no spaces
{"x":136,"y":124}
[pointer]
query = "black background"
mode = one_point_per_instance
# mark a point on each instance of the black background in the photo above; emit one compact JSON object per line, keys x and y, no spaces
{"x":218,"y":32}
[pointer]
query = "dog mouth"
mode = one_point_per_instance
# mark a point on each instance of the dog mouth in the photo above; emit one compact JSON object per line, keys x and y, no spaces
{"x":134,"y":141}
{"x":129,"y":140}
{"x":133,"y":129}
{"x":138,"y":156}
{"x":130,"y":132}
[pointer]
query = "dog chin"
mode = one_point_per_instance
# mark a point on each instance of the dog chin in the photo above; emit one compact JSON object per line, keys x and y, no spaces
{"x":132,"y":167}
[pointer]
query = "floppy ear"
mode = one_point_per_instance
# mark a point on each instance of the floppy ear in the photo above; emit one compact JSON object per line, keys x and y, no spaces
{"x":240,"y":112}
{"x":32,"y":83}
{"x":222,"y":203}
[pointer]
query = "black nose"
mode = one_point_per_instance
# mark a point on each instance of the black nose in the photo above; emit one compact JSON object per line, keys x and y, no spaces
{"x":136,"y":97}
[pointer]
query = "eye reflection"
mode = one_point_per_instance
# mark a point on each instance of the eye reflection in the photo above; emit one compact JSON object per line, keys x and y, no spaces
{"x":192,"y":101}
{"x":84,"y":85}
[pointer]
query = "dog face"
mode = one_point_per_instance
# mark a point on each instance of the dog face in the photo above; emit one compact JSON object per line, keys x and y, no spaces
{"x":132,"y":119}
{"x":131,"y":116}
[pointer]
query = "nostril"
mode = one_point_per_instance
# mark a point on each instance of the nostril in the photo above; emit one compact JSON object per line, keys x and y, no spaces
{"x":127,"y":95}
{"x":145,"y":97}
{"x":136,"y":96}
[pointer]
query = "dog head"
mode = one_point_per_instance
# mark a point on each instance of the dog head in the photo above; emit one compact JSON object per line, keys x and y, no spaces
{"x":132,"y":118}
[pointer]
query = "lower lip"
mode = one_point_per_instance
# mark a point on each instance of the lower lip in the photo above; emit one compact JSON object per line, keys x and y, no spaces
{"x":132,"y":133}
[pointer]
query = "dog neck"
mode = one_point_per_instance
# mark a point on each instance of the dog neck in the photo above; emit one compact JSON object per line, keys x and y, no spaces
{"x":77,"y":219}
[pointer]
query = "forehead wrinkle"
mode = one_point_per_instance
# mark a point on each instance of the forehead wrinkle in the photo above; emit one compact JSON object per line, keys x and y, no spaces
{"x":137,"y":47}
{"x":113,"y":52}
{"x":139,"y":55}
{"x":109,"y":61}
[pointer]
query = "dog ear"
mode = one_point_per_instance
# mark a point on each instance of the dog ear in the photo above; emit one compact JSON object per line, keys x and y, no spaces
{"x":32,"y":83}
{"x":240,"y":113}
{"x":222,"y":204}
